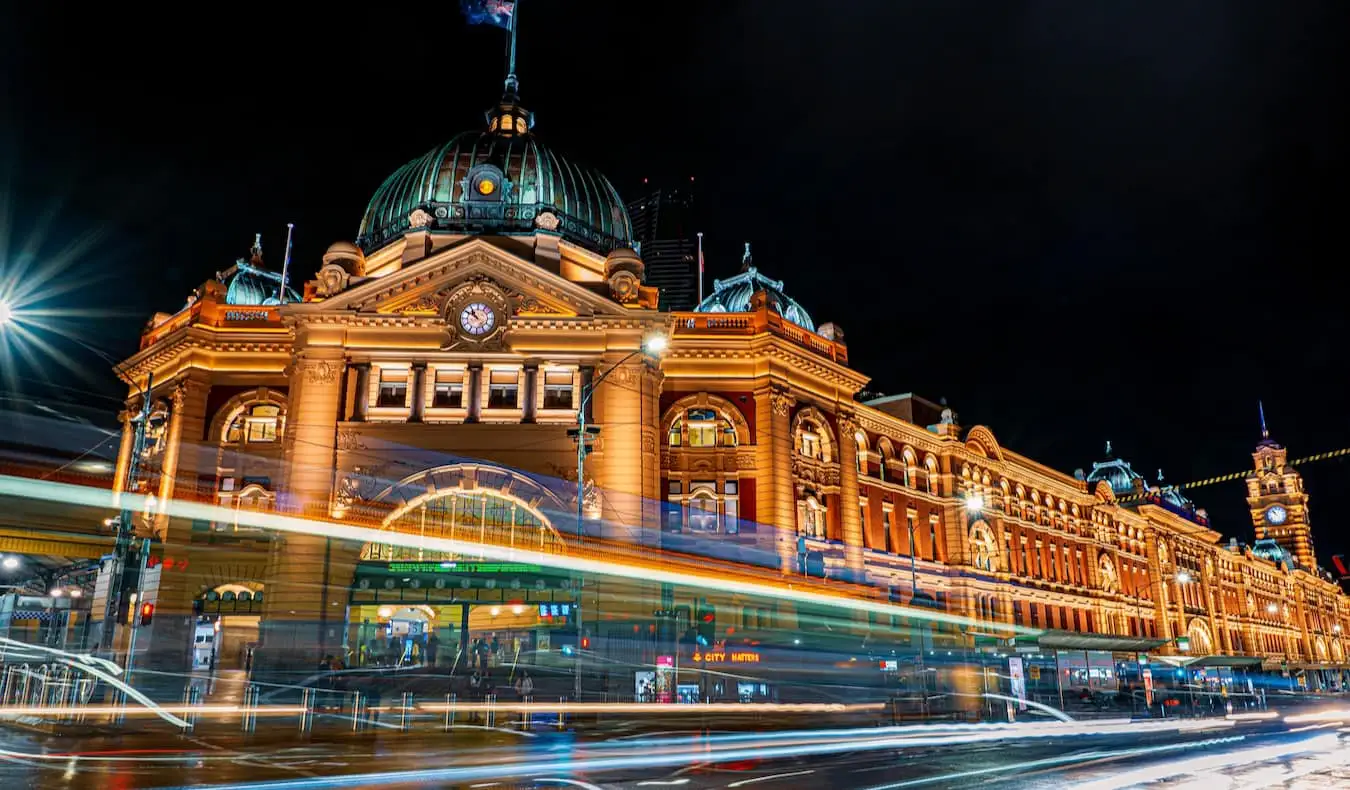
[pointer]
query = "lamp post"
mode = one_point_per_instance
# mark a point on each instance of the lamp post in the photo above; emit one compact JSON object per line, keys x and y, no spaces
{"x":651,"y":347}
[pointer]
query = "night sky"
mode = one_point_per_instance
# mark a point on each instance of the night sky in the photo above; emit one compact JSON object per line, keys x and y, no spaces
{"x":1077,"y":221}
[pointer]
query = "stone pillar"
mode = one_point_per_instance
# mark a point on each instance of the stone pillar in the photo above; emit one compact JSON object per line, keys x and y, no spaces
{"x":652,"y":495}
{"x":361,"y":399}
{"x":849,"y":518}
{"x":530,"y":397}
{"x":187,"y":418}
{"x":775,"y":503}
{"x":419,"y":391}
{"x":474,"y":390}
{"x":622,"y":414}
{"x":307,"y":576}
{"x":123,"y":454}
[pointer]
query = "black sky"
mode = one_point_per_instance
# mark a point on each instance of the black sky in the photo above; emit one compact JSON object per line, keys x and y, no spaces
{"x":1077,"y":221}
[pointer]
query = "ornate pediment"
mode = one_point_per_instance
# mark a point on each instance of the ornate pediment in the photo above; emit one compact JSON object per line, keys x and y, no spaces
{"x":425,"y":288}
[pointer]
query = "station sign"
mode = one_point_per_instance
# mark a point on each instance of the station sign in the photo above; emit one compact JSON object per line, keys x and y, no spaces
{"x":727,"y":657}
{"x":462,"y":567}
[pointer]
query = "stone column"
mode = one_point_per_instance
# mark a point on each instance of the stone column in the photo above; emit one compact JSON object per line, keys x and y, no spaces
{"x":361,"y":401}
{"x":123,"y":454}
{"x":651,"y":381}
{"x":850,"y":519}
{"x":187,"y":418}
{"x":530,"y":396}
{"x":419,"y":391}
{"x":307,"y":576}
{"x":618,"y":471}
{"x":474,"y":390}
{"x":775,"y":502}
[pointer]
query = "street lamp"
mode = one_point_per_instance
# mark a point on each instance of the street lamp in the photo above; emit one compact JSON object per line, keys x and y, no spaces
{"x":974,"y":503}
{"x":651,"y":347}
{"x":1183,"y":577}
{"x":1272,"y":608}
{"x":6,"y":314}
{"x":10,"y":563}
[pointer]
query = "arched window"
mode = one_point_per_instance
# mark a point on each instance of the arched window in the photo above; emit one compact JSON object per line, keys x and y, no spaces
{"x":983,"y":547}
{"x":702,"y":428}
{"x":930,"y":474}
{"x":255,"y":424}
{"x":861,"y":456}
{"x":811,"y":518}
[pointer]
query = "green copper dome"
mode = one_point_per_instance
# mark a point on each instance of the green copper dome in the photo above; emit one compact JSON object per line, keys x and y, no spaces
{"x":733,"y":295}
{"x":499,"y":181}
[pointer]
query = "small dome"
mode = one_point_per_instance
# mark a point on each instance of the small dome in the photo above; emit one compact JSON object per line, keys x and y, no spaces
{"x":251,"y":283}
{"x":1116,"y":472}
{"x":733,"y":295}
{"x":344,"y":249}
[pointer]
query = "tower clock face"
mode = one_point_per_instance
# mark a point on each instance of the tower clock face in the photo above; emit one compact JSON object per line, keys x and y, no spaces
{"x":1276,"y":514}
{"x":477,"y":319}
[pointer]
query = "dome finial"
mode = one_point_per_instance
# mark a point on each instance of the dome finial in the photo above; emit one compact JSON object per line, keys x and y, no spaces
{"x":1261,"y":407}
{"x":1108,"y":448}
{"x":255,"y":252}
{"x":747,"y":261}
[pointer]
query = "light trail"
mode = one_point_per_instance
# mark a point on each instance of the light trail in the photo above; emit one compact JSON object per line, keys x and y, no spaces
{"x":1210,"y":763}
{"x":101,"y":498}
{"x":708,"y":750}
{"x":40,"y":711}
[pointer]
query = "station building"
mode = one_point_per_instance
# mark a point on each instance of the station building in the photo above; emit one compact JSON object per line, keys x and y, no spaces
{"x":425,"y":382}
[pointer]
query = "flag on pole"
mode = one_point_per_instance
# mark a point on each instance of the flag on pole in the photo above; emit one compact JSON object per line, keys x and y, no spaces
{"x":700,"y":267}
{"x":489,"y":12}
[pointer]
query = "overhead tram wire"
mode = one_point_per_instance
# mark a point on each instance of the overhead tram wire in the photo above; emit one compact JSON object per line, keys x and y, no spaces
{"x":1308,"y":459}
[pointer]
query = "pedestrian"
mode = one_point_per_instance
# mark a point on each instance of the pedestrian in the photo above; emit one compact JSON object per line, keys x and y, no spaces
{"x":525,"y":686}
{"x":433,"y":647}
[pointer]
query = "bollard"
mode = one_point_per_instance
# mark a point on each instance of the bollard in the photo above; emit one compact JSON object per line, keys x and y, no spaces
{"x":525,"y":714}
{"x":450,"y":701}
{"x":307,"y":710}
{"x":491,"y":710}
{"x":358,"y":711}
{"x":189,"y":698}
{"x":405,"y":715}
{"x":562,"y":716}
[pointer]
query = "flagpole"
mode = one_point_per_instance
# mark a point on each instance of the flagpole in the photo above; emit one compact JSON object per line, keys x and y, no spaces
{"x":700,"y":267}
{"x":286,"y":263}
{"x":511,"y":62}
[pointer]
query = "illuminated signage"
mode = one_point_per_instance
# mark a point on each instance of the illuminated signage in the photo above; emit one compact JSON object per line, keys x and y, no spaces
{"x":727,"y":657}
{"x":248,"y":315}
{"x":462,"y":567}
{"x":555,"y":610}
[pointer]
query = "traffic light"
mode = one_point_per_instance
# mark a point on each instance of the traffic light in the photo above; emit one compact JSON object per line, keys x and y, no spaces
{"x":585,"y":643}
{"x":147,"y":612}
{"x":707,"y":623}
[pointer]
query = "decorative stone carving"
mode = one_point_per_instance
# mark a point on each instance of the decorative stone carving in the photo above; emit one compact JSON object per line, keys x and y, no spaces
{"x":426,"y":303}
{"x":528,"y":303}
{"x":332,"y":280}
{"x":419,"y":218}
{"x":623,"y":287}
{"x":745,"y":461}
{"x":1107,"y":572}
{"x":848,"y":425}
{"x":547,"y":220}
{"x":781,"y":403}
{"x":320,"y":372}
{"x":350,"y":440}
{"x":648,"y":443}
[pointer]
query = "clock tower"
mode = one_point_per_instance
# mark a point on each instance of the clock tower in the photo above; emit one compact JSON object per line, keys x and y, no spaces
{"x":1279,"y":505}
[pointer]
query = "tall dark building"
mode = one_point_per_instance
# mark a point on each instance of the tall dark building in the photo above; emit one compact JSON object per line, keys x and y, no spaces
{"x":663,"y":223}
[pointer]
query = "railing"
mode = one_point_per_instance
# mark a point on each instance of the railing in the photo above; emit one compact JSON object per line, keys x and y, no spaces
{"x":764,"y":320}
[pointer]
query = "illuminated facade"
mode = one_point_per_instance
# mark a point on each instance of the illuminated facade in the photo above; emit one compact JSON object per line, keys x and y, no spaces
{"x":426,"y":378}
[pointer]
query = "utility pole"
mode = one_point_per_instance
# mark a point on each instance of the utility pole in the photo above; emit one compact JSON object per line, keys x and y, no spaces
{"x":125,"y":526}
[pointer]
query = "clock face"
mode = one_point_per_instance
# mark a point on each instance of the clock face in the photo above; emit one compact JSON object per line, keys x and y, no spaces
{"x":477,"y":319}
{"x":1276,"y":514}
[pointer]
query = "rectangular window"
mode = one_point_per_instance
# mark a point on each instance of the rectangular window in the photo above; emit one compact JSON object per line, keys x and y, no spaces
{"x":504,"y":389}
{"x":909,"y":534}
{"x":810,"y":445}
{"x":674,"y":487}
{"x":889,"y":544}
{"x":1035,"y":615}
{"x":1018,"y":617}
{"x":702,"y":424}
{"x":731,"y":513}
{"x":862,"y":520}
{"x":674,"y":518}
{"x":557,"y":389}
{"x":449,"y":393}
{"x":393,"y":388}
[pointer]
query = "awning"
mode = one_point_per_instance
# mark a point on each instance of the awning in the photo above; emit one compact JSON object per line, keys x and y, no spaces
{"x":1070,"y":640}
{"x":1226,"y":661}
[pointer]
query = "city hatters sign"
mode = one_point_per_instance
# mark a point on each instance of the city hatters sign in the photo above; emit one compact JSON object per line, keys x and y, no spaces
{"x":727,"y":657}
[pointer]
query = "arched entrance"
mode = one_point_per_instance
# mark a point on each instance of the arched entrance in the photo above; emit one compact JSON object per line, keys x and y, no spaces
{"x":469,"y":502}
{"x":1202,"y":642}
